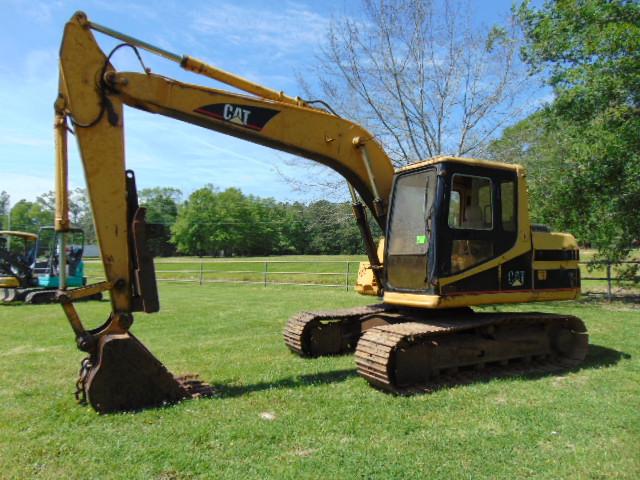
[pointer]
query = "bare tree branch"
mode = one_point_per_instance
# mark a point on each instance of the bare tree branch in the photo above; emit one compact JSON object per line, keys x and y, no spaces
{"x":423,"y":77}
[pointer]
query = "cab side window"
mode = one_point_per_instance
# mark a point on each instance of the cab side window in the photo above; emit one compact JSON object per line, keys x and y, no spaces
{"x":508,"y":205}
{"x":470,"y":209}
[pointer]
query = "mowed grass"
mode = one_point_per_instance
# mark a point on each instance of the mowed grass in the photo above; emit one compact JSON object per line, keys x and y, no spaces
{"x":279,"y":416}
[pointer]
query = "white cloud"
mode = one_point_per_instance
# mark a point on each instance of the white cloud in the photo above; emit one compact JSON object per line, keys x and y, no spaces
{"x":140,"y":11}
{"x":24,"y":139}
{"x":25,"y":186}
{"x":38,"y":12}
{"x":292,"y":28}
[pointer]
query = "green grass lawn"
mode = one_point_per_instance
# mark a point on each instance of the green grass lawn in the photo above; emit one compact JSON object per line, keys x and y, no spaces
{"x":278,"y":416}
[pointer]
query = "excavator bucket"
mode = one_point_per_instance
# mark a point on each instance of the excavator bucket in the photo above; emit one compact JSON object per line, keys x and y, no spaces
{"x":123,"y":375}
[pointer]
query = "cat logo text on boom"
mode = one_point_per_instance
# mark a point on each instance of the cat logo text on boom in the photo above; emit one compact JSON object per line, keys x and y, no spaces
{"x":236,"y":114}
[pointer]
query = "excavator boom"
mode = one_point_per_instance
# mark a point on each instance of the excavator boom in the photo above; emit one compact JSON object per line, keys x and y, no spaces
{"x":92,"y":96}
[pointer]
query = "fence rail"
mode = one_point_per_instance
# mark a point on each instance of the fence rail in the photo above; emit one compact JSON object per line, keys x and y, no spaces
{"x":267,"y":273}
{"x":341,"y":273}
{"x":609,"y":278}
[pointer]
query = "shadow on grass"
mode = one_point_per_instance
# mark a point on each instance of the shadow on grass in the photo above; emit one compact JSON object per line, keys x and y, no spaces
{"x":323,"y":378}
{"x":598,"y":357}
{"x":601,"y":298}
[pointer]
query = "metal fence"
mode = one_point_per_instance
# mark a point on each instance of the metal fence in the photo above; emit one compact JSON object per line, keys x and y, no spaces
{"x":325,"y":273}
{"x":340,"y":274}
{"x":609,"y":277}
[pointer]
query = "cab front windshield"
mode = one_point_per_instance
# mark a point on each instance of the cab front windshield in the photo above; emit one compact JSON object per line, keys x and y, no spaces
{"x":409,"y":230}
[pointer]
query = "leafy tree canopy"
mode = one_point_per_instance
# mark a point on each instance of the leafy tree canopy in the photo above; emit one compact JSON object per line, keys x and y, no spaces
{"x":590,"y":51}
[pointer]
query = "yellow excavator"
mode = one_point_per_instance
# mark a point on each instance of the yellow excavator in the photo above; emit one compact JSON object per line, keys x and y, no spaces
{"x":456,"y":234}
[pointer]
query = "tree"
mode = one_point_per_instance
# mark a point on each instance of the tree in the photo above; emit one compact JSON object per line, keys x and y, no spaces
{"x":331,"y":230}
{"x":81,"y":216}
{"x":192,"y":232}
{"x":4,"y":210}
{"x":292,"y":235}
{"x":161,"y":204}
{"x":590,"y":50}
{"x":542,"y":152}
{"x":422,"y":77}
{"x":212,"y":222}
{"x":162,"y":209}
{"x":30,"y":216}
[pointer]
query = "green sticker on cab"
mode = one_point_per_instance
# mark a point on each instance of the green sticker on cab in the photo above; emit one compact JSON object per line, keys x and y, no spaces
{"x":421,"y":239}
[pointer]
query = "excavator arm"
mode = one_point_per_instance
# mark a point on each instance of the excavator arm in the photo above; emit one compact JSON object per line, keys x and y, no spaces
{"x":91,"y":96}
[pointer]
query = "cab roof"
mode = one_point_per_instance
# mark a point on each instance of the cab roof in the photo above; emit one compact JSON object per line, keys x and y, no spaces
{"x":15,"y":233}
{"x":462,"y":160}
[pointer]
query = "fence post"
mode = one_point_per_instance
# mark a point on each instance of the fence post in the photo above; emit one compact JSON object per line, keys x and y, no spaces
{"x":201,"y":272}
{"x":608,"y":280}
{"x":346,"y":276}
{"x":266,"y":272}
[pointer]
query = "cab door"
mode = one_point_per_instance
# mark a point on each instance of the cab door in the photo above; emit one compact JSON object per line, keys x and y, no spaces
{"x":409,"y":231}
{"x":478,"y":224}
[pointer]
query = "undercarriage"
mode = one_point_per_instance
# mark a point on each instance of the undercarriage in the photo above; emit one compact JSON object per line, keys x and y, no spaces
{"x":405,"y":351}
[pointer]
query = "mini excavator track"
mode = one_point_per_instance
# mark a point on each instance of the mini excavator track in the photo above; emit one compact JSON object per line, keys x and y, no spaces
{"x":424,"y":355}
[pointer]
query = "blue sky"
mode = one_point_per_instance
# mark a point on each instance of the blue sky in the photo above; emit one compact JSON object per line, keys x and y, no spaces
{"x":269,"y":42}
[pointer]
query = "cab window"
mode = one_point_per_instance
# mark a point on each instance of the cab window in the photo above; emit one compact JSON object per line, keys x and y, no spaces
{"x":470,"y":207}
{"x":508,"y":205}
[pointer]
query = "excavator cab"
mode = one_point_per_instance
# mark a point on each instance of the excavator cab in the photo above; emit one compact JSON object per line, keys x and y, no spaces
{"x":459,"y":234}
{"x":447,"y":218}
{"x":30,"y":270}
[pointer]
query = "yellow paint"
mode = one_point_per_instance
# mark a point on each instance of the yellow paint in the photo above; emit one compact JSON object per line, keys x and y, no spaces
{"x":466,"y":300}
{"x":464,"y":160}
{"x":296,"y":128}
{"x":555,"y":265}
{"x":9,"y":282}
{"x":554,"y":241}
{"x":102,"y":152}
{"x":366,"y":283}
